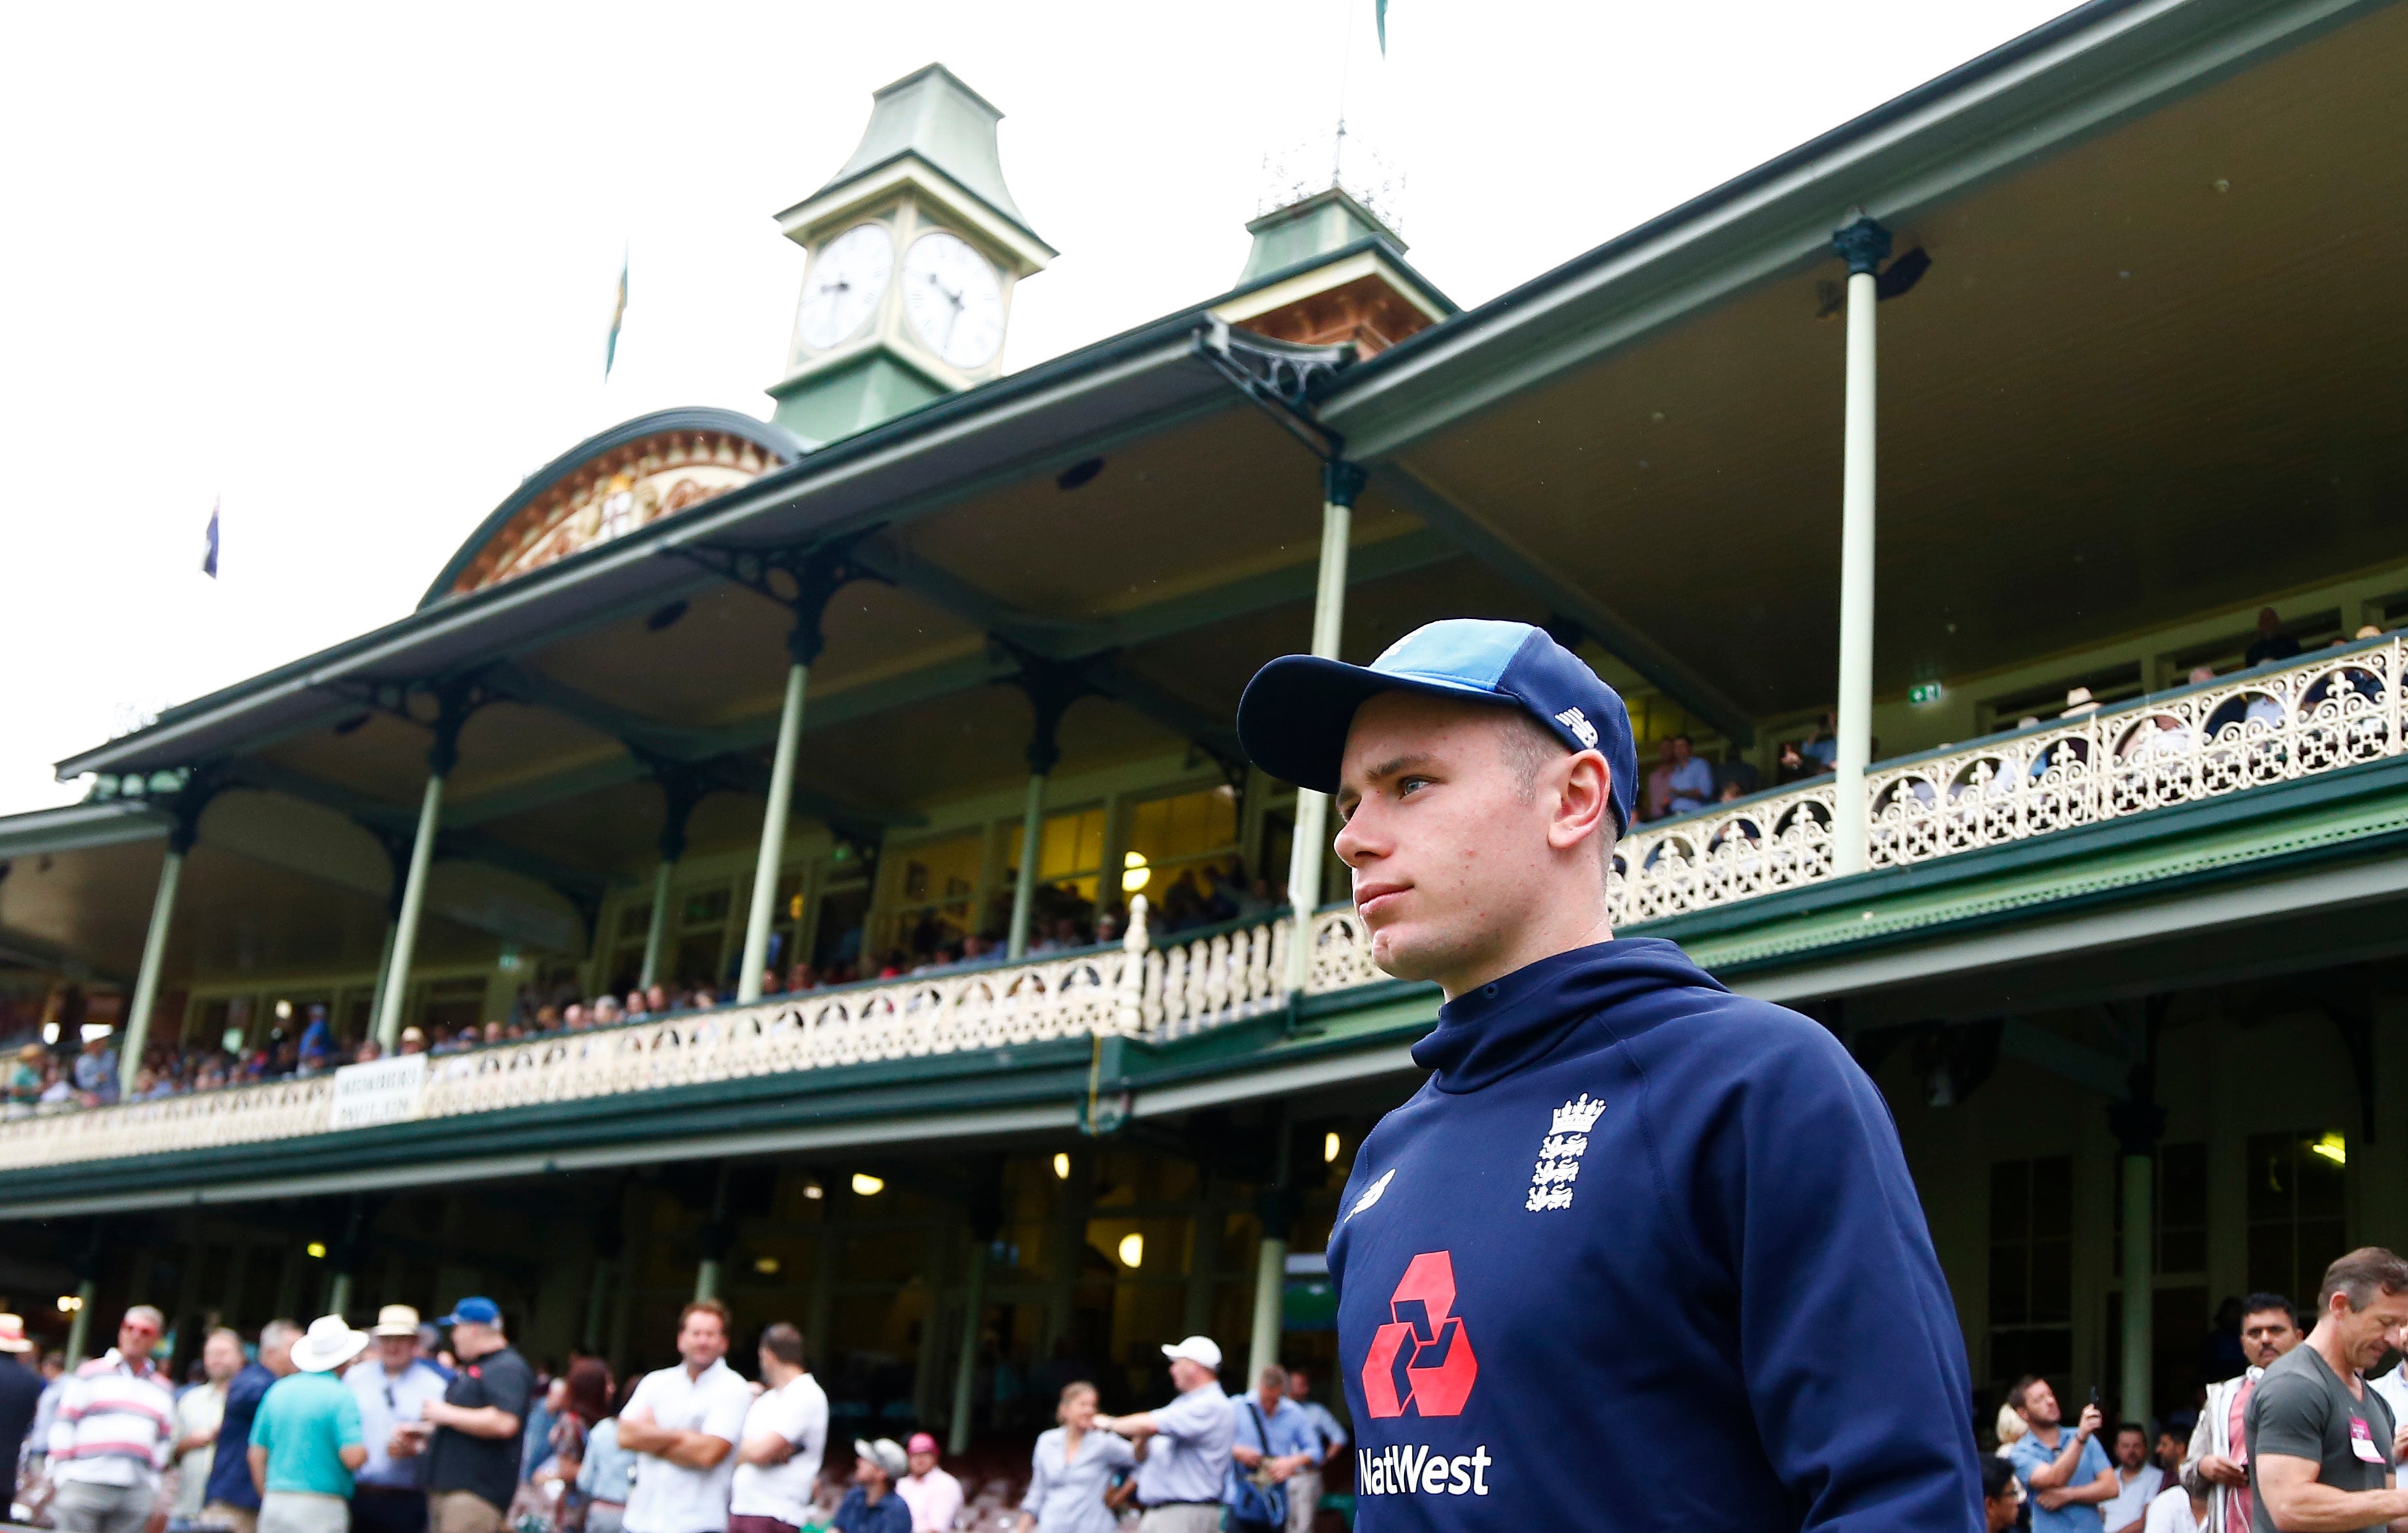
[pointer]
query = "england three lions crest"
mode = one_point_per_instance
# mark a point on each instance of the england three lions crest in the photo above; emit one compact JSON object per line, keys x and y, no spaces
{"x":1559,"y":1155}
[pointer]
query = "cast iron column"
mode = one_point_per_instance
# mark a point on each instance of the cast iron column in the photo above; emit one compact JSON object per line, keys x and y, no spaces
{"x":1340,"y":483}
{"x":1864,"y":245}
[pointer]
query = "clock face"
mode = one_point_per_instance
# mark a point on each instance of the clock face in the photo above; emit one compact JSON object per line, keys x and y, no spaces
{"x":954,"y":300}
{"x":844,"y":286}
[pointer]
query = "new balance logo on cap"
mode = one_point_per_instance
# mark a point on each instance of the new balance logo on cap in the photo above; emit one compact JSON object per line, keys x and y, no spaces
{"x":1577,"y":722}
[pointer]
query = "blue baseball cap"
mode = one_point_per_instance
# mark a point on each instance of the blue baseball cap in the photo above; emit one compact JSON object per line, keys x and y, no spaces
{"x":476,"y":1312}
{"x":1295,"y":714}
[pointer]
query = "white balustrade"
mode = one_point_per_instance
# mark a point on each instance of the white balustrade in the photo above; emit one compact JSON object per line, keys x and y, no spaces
{"x":2331,"y":710}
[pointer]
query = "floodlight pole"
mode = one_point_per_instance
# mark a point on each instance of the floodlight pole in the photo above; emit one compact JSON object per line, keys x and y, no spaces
{"x":1864,"y":245}
{"x":1340,"y":483}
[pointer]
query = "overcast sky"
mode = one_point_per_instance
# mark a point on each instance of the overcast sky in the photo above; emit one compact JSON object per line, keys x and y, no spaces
{"x":349,"y":267}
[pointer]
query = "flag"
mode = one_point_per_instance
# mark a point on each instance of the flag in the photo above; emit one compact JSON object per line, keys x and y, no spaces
{"x":1380,"y":20}
{"x":617,"y":315}
{"x":210,"y":542}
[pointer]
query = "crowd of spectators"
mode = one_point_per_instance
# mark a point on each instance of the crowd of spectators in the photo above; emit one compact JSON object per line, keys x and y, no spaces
{"x":38,"y":1077}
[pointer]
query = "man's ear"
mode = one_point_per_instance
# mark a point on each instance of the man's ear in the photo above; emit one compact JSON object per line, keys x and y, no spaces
{"x":1583,"y":801}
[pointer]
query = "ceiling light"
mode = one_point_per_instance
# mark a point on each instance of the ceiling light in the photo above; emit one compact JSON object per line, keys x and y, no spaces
{"x":1135,"y":873}
{"x":317,"y":1249}
{"x":1132,"y":1250}
{"x":1329,"y":1147}
{"x":2333,"y":1148}
{"x":865,"y":1185}
{"x":765,"y":1265}
{"x":813,"y":1191}
{"x":1061,"y":1166}
{"x":70,"y":1304}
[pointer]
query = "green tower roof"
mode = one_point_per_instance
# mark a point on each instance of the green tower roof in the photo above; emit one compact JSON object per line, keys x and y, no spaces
{"x":932,"y":114}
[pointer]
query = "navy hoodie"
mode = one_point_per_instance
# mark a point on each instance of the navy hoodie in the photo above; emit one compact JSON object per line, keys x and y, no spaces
{"x":1645,"y":1254}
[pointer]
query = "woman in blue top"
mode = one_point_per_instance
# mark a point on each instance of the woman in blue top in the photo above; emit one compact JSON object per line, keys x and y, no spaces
{"x":1072,"y":1469}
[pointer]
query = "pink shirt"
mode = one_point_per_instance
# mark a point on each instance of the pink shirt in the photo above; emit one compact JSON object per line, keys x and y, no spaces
{"x":935,"y":1499}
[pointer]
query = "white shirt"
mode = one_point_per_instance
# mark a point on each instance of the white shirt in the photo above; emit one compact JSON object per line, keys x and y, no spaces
{"x":797,"y":1412}
{"x":2393,"y":1387}
{"x":2132,"y":1496}
{"x":199,"y":1409}
{"x":386,"y":1400}
{"x":2170,"y":1513}
{"x":669,"y":1498}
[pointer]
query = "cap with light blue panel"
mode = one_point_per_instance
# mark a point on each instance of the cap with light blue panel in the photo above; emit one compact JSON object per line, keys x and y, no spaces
{"x":1295,"y":714}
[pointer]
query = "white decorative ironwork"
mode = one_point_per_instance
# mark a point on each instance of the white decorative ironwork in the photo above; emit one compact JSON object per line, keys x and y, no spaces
{"x":1139,"y":990}
{"x":2335,"y":709}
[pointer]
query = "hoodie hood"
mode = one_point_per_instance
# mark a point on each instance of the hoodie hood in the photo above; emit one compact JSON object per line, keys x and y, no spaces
{"x":1487,"y":1034}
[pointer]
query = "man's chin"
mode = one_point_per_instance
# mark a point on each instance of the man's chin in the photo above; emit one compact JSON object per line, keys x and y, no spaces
{"x":1400,"y":957}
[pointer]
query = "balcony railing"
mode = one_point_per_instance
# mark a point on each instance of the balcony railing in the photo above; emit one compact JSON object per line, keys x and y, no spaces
{"x":1137,"y":990}
{"x":2334,"y":709}
{"x":2276,"y":724}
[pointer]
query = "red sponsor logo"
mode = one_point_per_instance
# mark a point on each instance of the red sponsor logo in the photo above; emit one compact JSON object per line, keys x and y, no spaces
{"x":1422,"y":1357}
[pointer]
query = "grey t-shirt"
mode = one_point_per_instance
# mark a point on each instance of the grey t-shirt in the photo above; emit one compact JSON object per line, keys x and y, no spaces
{"x":2301,"y":1409}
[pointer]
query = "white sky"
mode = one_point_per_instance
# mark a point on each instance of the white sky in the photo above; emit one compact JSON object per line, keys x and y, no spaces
{"x":350,"y":267}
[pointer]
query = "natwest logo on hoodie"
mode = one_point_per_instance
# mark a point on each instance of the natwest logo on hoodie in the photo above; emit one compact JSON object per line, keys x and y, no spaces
{"x":1423,"y":1356}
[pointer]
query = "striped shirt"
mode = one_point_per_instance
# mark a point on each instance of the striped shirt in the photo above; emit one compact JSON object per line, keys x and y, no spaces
{"x":115,"y":1424}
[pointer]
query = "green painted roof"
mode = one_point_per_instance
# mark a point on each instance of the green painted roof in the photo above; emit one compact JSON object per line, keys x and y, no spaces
{"x":1318,"y":225}
{"x":932,"y":114}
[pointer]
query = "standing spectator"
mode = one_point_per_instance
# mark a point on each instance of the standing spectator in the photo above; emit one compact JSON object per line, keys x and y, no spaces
{"x":432,"y":1352}
{"x":21,"y":1393}
{"x":2271,"y":643}
{"x":2002,"y":1496}
{"x":1071,"y":1469}
{"x":606,"y":1478}
{"x":1274,"y":1441}
{"x":1306,"y":1484}
{"x":115,"y":1424}
{"x":2182,"y":1507}
{"x":1180,"y":1484}
{"x":1655,"y":802}
{"x":317,"y":1042}
{"x":1692,"y":781}
{"x":394,"y":1386}
{"x":2321,"y":1441}
{"x":2137,"y":1481}
{"x":785,"y":1438}
{"x":2066,"y":1473}
{"x":471,"y":1435}
{"x":551,"y":1399}
{"x":1822,"y":748}
{"x":199,"y":1410}
{"x":934,"y":1497}
{"x":682,"y":1424}
{"x":306,"y":1442}
{"x":2219,"y":1453}
{"x":584,"y":1400}
{"x":233,"y":1500}
{"x":872,"y":1505}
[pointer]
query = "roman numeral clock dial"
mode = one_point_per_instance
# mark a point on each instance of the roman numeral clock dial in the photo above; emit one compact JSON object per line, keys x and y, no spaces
{"x":844,"y":287}
{"x":954,"y":300}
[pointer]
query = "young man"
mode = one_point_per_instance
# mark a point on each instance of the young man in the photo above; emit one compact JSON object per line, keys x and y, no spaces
{"x":1607,"y":1133}
{"x":2321,"y":1441}
{"x":934,"y":1495}
{"x":872,"y":1505}
{"x":2002,"y":1499}
{"x":472,"y":1467}
{"x":682,"y":1424}
{"x":785,"y":1435}
{"x":2137,"y":1481}
{"x":2219,"y":1455}
{"x":306,"y":1442}
{"x":2067,"y":1473}
{"x":109,"y":1440}
{"x":392,"y":1387}
{"x":233,"y":1499}
{"x":1187,"y":1443}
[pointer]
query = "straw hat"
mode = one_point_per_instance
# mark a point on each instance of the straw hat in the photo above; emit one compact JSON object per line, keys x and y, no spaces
{"x":396,"y":1320}
{"x":13,"y":1334}
{"x":330,"y":1344}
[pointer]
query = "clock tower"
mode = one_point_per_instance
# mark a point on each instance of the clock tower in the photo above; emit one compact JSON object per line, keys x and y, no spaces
{"x":915,"y":246}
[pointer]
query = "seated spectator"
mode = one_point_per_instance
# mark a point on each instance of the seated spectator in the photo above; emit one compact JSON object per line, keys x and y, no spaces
{"x":1692,"y":781}
{"x":316,"y":1050}
{"x":656,"y":999}
{"x":95,"y":1072}
{"x":1736,"y":773}
{"x":1795,"y":766}
{"x":412,"y":1041}
{"x":2271,"y":643}
{"x":1655,"y":788}
{"x":1823,"y":744}
{"x":368,"y":1050}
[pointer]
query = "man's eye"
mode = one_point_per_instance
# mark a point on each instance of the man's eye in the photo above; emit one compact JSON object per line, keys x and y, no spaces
{"x":1406,"y":785}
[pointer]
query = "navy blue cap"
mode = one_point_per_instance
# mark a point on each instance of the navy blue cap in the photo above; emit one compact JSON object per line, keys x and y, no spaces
{"x":1294,"y":717}
{"x":476,"y":1312}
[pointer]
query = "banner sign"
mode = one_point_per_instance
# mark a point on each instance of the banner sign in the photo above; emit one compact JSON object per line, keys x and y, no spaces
{"x":384,"y":1091}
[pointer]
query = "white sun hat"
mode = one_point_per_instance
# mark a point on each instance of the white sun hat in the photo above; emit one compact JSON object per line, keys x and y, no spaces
{"x":330,"y":1344}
